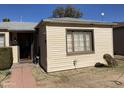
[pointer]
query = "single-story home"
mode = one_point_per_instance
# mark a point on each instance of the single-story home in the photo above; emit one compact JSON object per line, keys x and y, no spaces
{"x":61,"y":43}
{"x":68,"y":43}
{"x":20,"y":36}
{"x":118,"y":37}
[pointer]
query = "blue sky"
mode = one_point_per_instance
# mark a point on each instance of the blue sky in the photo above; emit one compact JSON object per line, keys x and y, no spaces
{"x":34,"y":13}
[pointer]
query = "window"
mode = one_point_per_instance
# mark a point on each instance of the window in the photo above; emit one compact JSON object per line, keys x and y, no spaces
{"x":80,"y":41}
{"x":2,"y":41}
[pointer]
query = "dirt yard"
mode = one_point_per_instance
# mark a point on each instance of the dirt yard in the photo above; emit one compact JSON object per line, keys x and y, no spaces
{"x":89,"y":77}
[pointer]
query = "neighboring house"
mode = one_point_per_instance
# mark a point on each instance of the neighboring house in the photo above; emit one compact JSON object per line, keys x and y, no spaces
{"x":67,"y":43}
{"x":20,"y":36}
{"x":118,"y":37}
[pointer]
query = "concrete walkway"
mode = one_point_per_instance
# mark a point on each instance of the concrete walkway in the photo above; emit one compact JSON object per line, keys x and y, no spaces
{"x":21,"y":76}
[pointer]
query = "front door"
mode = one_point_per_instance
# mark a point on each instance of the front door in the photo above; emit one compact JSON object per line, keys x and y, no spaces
{"x":25,"y":41}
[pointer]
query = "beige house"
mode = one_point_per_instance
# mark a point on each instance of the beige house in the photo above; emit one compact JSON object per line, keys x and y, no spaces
{"x":68,"y":43}
{"x":62,"y":43}
{"x":21,"y":37}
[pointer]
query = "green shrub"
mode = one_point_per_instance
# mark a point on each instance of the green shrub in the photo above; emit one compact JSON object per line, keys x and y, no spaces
{"x":6,"y":58}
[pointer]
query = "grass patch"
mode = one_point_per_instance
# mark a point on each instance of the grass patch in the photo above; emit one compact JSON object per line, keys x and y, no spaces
{"x":3,"y":76}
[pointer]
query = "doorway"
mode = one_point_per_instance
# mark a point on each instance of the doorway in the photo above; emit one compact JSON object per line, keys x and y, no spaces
{"x":25,"y":41}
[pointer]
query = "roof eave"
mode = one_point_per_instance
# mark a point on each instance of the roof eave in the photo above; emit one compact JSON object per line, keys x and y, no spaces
{"x":83,"y":23}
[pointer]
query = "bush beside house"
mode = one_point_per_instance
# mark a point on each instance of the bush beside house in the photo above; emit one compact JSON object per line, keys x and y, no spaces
{"x":6,"y":58}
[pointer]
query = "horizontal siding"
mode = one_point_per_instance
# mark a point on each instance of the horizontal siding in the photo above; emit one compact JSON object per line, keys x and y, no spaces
{"x":56,"y":48}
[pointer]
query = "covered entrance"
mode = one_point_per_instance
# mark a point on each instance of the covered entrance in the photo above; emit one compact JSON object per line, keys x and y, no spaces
{"x":21,"y":37}
{"x":25,"y":43}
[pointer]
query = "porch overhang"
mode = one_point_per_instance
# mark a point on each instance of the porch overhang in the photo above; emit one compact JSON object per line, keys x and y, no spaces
{"x":22,"y":31}
{"x":3,"y":30}
{"x":17,"y":26}
{"x":18,"y":31}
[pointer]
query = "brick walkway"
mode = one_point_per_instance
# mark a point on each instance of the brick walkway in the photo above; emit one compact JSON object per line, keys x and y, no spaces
{"x":21,"y":76}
